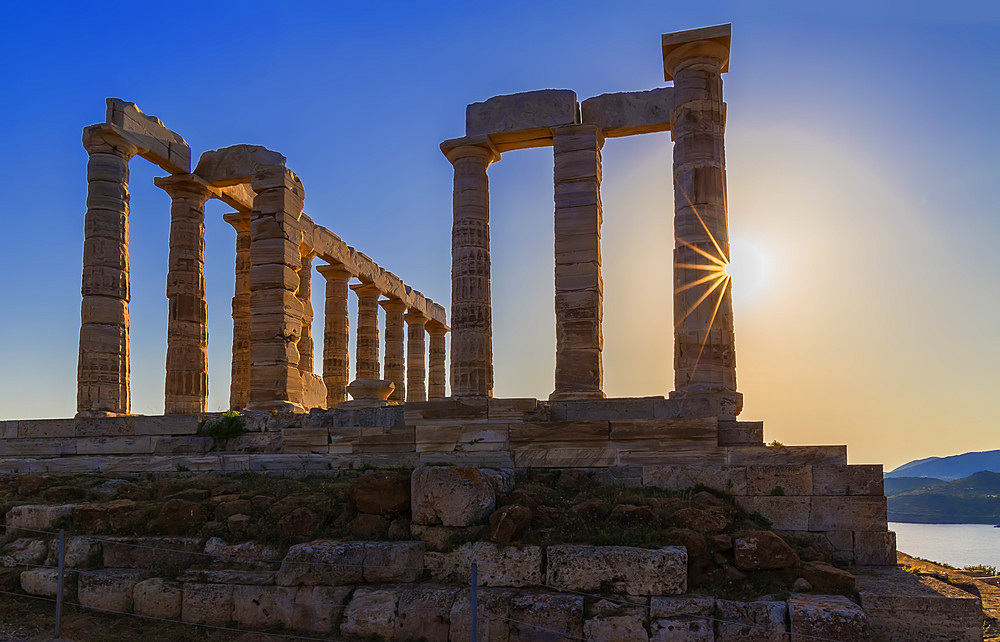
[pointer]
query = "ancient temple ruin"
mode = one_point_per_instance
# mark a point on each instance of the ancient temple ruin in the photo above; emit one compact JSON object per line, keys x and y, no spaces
{"x":400,"y":411}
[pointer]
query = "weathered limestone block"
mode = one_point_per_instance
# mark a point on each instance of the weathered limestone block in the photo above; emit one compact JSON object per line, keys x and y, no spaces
{"x":226,"y":576}
{"x":450,"y":495}
{"x":322,"y":562}
{"x":157,"y":597}
{"x":157,"y":144}
{"x":37,"y":447}
{"x":393,"y":561}
{"x":207,"y":604}
{"x":622,"y":569}
{"x":108,"y":589}
{"x":539,"y":616}
{"x":235,"y":164}
{"x":729,"y":479}
{"x":875,"y":548}
{"x":688,"y":629}
{"x":35,"y":517}
{"x":45,"y":582}
{"x":371,"y":613}
{"x":786,"y":455}
{"x":848,"y":480}
{"x":113,"y":445}
{"x":767,"y":479}
{"x":318,"y":608}
{"x":831,"y":617}
{"x":622,"y":628}
{"x":902,"y":607}
{"x":629,"y":113}
{"x":158,"y":425}
{"x":784,"y":513}
{"x":82,"y":552}
{"x":181,"y":445}
{"x":297,"y":440}
{"x":446,"y":438}
{"x":523,"y":119}
{"x":761,"y":621}
{"x":741,"y":433}
{"x":862,"y":513}
{"x":23,"y":551}
{"x":147,"y":552}
{"x":762,"y":550}
{"x":424,"y":612}
{"x":263,"y":606}
{"x":497,"y":566}
{"x":44,"y":428}
{"x":493,"y":611}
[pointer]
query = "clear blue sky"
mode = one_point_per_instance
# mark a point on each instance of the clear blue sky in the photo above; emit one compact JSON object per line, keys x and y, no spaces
{"x":862,"y":150}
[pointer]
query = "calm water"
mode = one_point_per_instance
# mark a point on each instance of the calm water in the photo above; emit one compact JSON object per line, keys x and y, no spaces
{"x":956,"y":544}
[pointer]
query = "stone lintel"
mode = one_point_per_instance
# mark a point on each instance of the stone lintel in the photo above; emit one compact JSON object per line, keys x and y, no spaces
{"x":629,"y":113}
{"x":721,"y":34}
{"x":522,"y":120}
{"x":235,"y":164}
{"x":156,"y":143}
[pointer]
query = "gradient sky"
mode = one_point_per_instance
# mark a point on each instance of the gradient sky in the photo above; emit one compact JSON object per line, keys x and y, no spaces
{"x":862,"y":151}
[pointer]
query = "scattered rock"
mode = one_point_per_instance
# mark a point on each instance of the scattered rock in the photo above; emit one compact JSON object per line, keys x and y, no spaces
{"x":762,"y":550}
{"x":523,"y":497}
{"x":23,"y":551}
{"x":592,"y":509}
{"x":801,"y":585}
{"x":451,"y":495}
{"x":826,"y":578}
{"x":507,"y":522}
{"x":225,"y":509}
{"x":721,"y":542}
{"x":627,"y":515}
{"x":64,"y":494}
{"x":699,"y":520}
{"x":300,"y":523}
{"x":380,"y":493}
{"x":573,"y":479}
{"x":369,"y":525}
{"x":238,"y":524}
{"x":177,"y":515}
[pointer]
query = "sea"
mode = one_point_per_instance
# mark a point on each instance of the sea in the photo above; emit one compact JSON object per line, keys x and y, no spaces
{"x":957,"y":544}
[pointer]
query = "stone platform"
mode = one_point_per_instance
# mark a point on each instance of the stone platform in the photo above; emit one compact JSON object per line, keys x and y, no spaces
{"x":804,"y":491}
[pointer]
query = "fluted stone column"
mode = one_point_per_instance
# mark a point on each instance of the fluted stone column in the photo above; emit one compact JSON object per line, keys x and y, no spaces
{"x":103,"y":367}
{"x":186,"y":386}
{"x":275,"y":309}
{"x":472,"y":332}
{"x":436,"y":378}
{"x":704,"y":346}
{"x":416,"y":356}
{"x":239,"y":386}
{"x":366,"y":349}
{"x":579,"y":288}
{"x":306,"y":349}
{"x":336,"y":337}
{"x":394,"y":365}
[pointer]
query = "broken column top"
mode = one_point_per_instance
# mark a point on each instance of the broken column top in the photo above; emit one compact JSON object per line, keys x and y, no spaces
{"x":156,"y":143}
{"x":513,"y":121}
{"x":235,"y":164}
{"x":721,"y":34}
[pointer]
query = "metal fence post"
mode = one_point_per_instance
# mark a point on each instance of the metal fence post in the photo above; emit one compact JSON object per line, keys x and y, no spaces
{"x":59,"y":580}
{"x":475,"y":603}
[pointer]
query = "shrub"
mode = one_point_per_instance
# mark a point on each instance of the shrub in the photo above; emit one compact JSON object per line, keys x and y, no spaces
{"x":230,"y":424}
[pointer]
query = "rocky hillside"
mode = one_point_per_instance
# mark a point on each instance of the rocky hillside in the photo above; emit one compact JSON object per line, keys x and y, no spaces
{"x":972,"y":500}
{"x":949,"y":468}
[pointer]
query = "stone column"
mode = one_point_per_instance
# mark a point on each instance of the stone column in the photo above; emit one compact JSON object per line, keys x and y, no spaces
{"x":394,"y":358}
{"x":416,"y":351}
{"x":306,"y":349}
{"x":704,"y":347}
{"x":103,"y":367}
{"x":186,"y":389}
{"x":275,"y":309}
{"x":366,"y":350}
{"x":239,"y":386}
{"x":472,"y":332}
{"x":436,"y":357}
{"x":336,"y":326}
{"x":579,"y":288}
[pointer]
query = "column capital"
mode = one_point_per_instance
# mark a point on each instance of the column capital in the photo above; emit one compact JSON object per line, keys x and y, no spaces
{"x":437,"y":328}
{"x":189,"y":186}
{"x":107,"y":139}
{"x":334,"y":271}
{"x":580,"y":129}
{"x":415,"y":317}
{"x":392,"y":305}
{"x":366,"y":290}
{"x":239,"y":220}
{"x":456,"y":149}
{"x":684,"y":47}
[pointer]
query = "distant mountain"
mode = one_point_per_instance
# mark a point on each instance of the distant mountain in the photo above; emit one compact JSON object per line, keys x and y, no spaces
{"x":971,"y":500}
{"x":897,"y":485}
{"x":949,"y":468}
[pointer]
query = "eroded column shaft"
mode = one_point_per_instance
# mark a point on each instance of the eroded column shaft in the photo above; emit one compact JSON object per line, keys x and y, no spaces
{"x":579,"y":288}
{"x":305,"y":345}
{"x":275,"y":308}
{"x":336,"y":334}
{"x":186,"y":384}
{"x":704,"y":347}
{"x":395,"y":358}
{"x":366,"y":349}
{"x":472,"y":332}
{"x":103,"y":366}
{"x":436,"y":370}
{"x":239,"y":386}
{"x":416,"y":351}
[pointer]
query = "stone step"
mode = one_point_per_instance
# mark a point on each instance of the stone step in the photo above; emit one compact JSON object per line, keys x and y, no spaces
{"x":902,"y":607}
